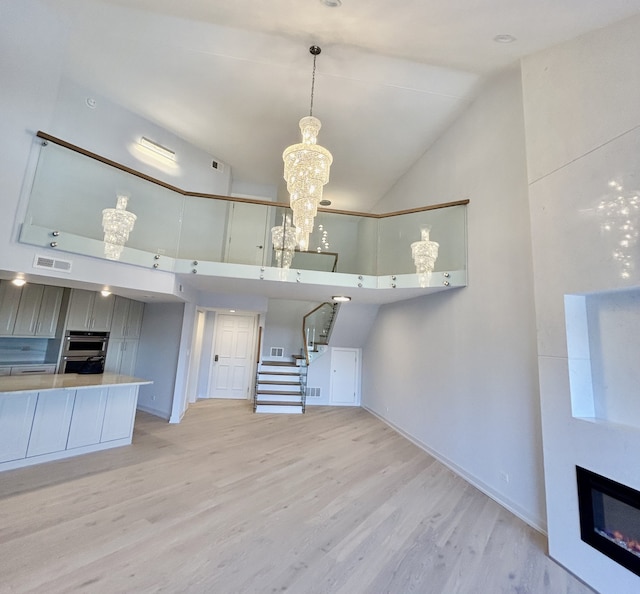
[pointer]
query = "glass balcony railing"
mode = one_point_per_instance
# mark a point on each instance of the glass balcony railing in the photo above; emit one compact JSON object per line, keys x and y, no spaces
{"x":72,"y":187}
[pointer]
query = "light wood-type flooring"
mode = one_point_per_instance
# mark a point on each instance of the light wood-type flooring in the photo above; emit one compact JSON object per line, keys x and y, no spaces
{"x":228,"y":501}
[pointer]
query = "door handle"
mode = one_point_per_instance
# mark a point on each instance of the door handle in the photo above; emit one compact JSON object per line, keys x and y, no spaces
{"x":216,"y":358}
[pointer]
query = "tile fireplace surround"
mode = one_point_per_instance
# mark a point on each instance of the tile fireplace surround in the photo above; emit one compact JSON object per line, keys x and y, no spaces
{"x":597,"y":427}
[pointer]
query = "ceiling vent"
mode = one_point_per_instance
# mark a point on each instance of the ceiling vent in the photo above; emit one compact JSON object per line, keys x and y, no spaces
{"x":52,"y":263}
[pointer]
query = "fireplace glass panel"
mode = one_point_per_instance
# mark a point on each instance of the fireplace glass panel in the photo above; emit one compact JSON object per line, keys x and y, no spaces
{"x":610,"y":518}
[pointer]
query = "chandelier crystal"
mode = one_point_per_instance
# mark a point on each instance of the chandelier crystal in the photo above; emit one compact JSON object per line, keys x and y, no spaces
{"x":117,"y":223}
{"x":424,"y":254}
{"x":284,"y":242}
{"x":306,"y":170}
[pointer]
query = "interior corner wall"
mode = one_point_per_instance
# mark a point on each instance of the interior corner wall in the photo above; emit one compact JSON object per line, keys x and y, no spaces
{"x":158,"y":356}
{"x":283,"y":325}
{"x":456,"y":371}
{"x":582,"y":121}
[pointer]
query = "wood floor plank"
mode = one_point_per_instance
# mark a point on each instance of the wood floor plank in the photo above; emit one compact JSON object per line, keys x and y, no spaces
{"x":228,"y":501}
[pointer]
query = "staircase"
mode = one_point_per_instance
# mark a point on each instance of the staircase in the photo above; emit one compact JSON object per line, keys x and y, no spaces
{"x":280,"y":386}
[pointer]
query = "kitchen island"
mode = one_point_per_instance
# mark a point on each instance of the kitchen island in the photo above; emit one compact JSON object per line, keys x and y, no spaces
{"x":54,"y":416}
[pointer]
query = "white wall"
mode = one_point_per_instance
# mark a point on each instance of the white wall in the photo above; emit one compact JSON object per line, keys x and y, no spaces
{"x":456,"y":371}
{"x":158,"y":355}
{"x":283,"y":325}
{"x":582,"y":114}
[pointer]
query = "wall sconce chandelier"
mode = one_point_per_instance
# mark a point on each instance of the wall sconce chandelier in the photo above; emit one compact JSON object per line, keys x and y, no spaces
{"x":306,"y":169}
{"x":117,"y":223}
{"x":424,"y":254}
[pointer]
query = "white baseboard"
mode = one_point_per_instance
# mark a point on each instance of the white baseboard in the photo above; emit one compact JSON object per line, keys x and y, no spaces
{"x":536,"y":523}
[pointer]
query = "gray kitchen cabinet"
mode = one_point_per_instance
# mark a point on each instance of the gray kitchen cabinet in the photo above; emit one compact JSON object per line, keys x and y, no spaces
{"x":89,"y":310}
{"x":49,"y":311}
{"x":121,"y":356}
{"x":9,"y":302}
{"x":38,"y":311}
{"x":127,"y":318}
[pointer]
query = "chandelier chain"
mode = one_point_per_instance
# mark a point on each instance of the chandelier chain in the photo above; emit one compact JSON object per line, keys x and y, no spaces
{"x":313,"y":84}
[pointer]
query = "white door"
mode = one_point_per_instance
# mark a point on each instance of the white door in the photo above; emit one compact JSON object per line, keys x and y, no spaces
{"x":345,"y":377}
{"x":233,"y":362}
{"x":246,"y":233}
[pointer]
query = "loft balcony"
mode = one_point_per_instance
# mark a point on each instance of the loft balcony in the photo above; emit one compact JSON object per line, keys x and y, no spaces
{"x":222,"y":244}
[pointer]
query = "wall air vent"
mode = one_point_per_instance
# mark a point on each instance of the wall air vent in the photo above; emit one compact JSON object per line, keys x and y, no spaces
{"x":313,"y":392}
{"x":277,"y":352}
{"x":52,"y":263}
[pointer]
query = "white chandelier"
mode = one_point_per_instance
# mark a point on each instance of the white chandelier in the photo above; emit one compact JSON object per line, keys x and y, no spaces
{"x":425,"y":254}
{"x":284,"y":242}
{"x":306,"y":169}
{"x":117,"y":223}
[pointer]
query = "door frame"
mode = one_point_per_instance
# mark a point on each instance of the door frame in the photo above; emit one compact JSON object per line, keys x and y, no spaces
{"x":250,"y":383}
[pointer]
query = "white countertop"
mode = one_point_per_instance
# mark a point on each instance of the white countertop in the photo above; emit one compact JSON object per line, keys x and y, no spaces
{"x":68,"y":381}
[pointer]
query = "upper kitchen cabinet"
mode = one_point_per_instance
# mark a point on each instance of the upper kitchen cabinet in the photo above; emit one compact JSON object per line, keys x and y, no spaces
{"x":31,"y":310}
{"x":9,"y":303}
{"x":89,"y":310}
{"x":127,"y":318}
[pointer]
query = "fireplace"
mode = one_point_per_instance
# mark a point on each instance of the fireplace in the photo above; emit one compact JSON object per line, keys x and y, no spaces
{"x":610,"y":518}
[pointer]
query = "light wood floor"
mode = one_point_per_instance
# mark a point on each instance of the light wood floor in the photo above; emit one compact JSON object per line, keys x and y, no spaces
{"x":228,"y":501}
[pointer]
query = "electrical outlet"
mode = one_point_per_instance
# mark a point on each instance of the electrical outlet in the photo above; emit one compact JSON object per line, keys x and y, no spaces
{"x":504,"y":476}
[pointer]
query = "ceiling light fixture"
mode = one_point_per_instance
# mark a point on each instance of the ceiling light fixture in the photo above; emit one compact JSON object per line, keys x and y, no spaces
{"x":284,"y":242}
{"x":158,"y":149}
{"x":331,"y":3}
{"x":504,"y":38}
{"x":105,"y":292}
{"x":117,"y":223}
{"x":19,"y":282}
{"x":306,"y":170}
{"x":341,"y":298}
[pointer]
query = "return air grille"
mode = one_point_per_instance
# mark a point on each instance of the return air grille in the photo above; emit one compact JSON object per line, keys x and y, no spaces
{"x":52,"y":264}
{"x":277,"y":351}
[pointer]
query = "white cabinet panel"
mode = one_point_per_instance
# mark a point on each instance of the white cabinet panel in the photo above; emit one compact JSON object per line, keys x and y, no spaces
{"x":51,"y":422}
{"x":27,"y":316}
{"x":87,"y":418}
{"x":120,"y":413}
{"x":16,"y":415}
{"x":9,"y":302}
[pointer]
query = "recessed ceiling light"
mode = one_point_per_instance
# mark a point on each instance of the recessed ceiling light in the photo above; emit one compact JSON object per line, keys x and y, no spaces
{"x":105,"y":292}
{"x":504,"y":38}
{"x":325,"y":202}
{"x":331,"y":3}
{"x":91,"y":103}
{"x":19,"y":282}
{"x":341,"y":298}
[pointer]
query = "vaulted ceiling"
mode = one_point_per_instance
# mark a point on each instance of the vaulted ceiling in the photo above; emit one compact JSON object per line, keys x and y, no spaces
{"x":234,"y":77}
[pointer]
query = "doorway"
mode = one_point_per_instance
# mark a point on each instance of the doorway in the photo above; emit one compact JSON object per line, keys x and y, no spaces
{"x":345,"y":377}
{"x":232,"y":356}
